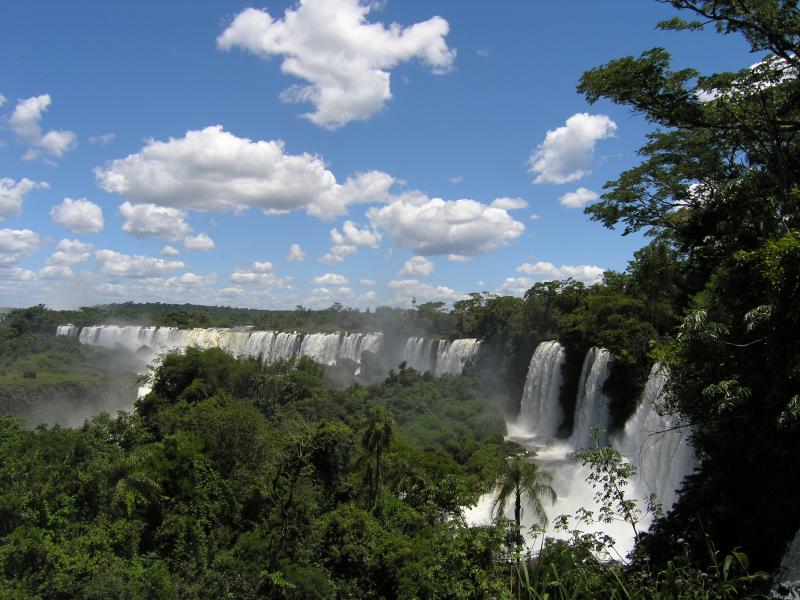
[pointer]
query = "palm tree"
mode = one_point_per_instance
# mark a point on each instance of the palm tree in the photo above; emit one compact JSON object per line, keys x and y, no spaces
{"x":520,"y":478}
{"x":134,"y":485}
{"x":377,"y":438}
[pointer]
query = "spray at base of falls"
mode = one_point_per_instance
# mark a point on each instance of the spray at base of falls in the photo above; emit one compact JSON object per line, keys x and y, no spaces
{"x":650,"y":441}
{"x":573,"y":493}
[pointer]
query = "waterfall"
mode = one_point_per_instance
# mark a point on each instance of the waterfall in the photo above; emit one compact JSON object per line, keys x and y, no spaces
{"x":70,"y":330}
{"x":656,"y":444}
{"x":591,"y":407}
{"x":451,"y":356}
{"x":321,"y":347}
{"x":271,"y":346}
{"x":285,"y":346}
{"x":353,"y":344}
{"x":131,"y":337}
{"x":419,"y":353}
{"x":259,"y":344}
{"x":540,"y":411}
{"x":423,"y":354}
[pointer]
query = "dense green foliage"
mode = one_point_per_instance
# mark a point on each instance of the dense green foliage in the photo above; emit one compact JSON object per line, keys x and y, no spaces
{"x":236,"y":479}
{"x":428,"y":318}
{"x":46,"y":379}
{"x":241,"y":480}
{"x":720,"y":183}
{"x":625,"y":313}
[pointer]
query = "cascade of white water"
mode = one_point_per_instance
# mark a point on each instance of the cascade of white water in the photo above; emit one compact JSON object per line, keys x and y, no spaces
{"x":540,"y":411}
{"x":419,"y":353}
{"x":350,"y":348}
{"x":353,"y":344}
{"x":258,"y":343}
{"x":111,"y":336}
{"x":656,"y":444}
{"x":321,"y":347}
{"x":370,"y":342}
{"x":422,"y":354}
{"x":233,"y":342}
{"x":285,"y":346}
{"x":451,"y":356}
{"x":591,"y":407}
{"x":70,"y":330}
{"x":201,"y":338}
{"x":164,"y":338}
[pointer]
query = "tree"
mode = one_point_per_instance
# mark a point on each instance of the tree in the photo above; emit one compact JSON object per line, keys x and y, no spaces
{"x":521,"y":479}
{"x":720,"y":181}
{"x":376,"y":440}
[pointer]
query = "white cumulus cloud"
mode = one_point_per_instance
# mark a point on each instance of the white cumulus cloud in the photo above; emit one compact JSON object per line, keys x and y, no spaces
{"x":262,"y":267}
{"x":353,"y":236}
{"x":199,"y":243}
{"x":102,"y":139}
{"x":345,"y":59}
{"x":515,"y":286}
{"x":406,"y":289}
{"x":144,"y":220}
{"x":169,"y":251}
{"x":329,"y":279}
{"x":2,"y":100}
{"x":509,"y":203}
{"x":347,"y":242}
{"x":566,"y":153}
{"x":367,"y":282}
{"x":336,"y":255}
{"x":296,"y":254}
{"x":78,"y":216}
{"x":213,"y":170}
{"x":417,"y":266}
{"x":56,"y":272}
{"x":260,"y":274}
{"x":548,"y":271}
{"x":25,"y":122}
{"x":579,"y":198}
{"x":17,"y":274}
{"x":435,"y":226}
{"x":70,"y":252}
{"x":116,"y":264}
{"x":18,"y":244}
{"x":192,"y":279}
{"x":12,"y":194}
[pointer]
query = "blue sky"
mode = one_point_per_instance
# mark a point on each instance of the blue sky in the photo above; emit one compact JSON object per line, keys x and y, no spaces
{"x":287,"y":153}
